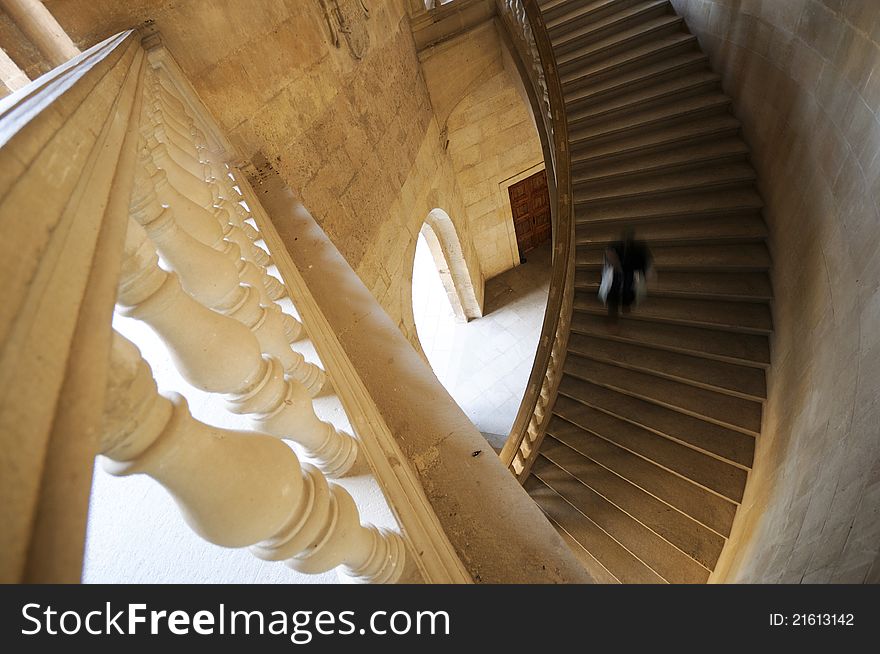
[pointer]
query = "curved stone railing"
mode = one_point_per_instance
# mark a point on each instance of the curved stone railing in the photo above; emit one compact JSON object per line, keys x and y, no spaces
{"x":527,"y":32}
{"x":110,"y":162}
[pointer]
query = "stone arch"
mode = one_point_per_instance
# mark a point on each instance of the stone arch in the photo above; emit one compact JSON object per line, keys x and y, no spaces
{"x":446,"y":250}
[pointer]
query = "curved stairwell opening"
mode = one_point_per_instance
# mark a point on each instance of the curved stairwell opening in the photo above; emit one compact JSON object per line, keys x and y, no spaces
{"x":653,"y":430}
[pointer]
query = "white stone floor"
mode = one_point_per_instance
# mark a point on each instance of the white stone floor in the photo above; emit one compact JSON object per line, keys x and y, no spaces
{"x":484,"y":364}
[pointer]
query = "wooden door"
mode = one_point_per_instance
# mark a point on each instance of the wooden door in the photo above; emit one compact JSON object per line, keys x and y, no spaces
{"x":530,"y":202}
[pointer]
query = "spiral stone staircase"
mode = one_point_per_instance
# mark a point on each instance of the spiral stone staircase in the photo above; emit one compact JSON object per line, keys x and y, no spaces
{"x":653,"y":431}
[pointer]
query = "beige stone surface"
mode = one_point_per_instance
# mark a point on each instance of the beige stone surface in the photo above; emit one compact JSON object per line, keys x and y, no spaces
{"x":805,"y":78}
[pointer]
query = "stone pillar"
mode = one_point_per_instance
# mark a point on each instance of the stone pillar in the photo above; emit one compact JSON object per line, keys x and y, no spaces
{"x":32,"y":18}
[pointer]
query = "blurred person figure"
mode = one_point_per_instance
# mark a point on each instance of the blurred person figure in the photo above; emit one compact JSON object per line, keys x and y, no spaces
{"x":627,"y":266}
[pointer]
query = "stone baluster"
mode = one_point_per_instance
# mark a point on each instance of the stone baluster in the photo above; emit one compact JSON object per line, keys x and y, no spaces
{"x":241,"y":214}
{"x":200,"y":223}
{"x":238,"y":489}
{"x":238,"y":231}
{"x":161,"y":109}
{"x":250,"y":231}
{"x":276,"y":291}
{"x":210,"y":227}
{"x":157,"y":115}
{"x":192,"y":195}
{"x":197,"y":162}
{"x":155,"y":135}
{"x":180,"y":152}
{"x":166,"y":89}
{"x":219,"y":354}
{"x":212,"y":277}
{"x":246,"y":235}
{"x":230,"y":199}
{"x":198,"y":190}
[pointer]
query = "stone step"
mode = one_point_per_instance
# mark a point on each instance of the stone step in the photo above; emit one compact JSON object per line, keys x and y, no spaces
{"x":599,"y":572}
{"x":715,"y":177}
{"x":550,"y":8}
{"x":677,"y":88}
{"x":713,"y":474}
{"x":593,"y":461}
{"x":635,"y":40}
{"x":579,"y":12}
{"x":742,"y":349}
{"x":725,"y":444}
{"x":695,"y":285}
{"x":718,"y":376}
{"x":614,"y":557}
{"x":630,"y":482}
{"x":745,"y":228}
{"x":659,"y":555}
{"x":653,"y":428}
{"x":632,"y":74}
{"x":586,"y":29}
{"x":652,"y":118}
{"x":741,"y":257}
{"x":688,"y":157}
{"x":601,"y":155}
{"x":719,"y":408}
{"x":697,"y":206}
{"x":654,"y":424}
{"x":744,"y":317}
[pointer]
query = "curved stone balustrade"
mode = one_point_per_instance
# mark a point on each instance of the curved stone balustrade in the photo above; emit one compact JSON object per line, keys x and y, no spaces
{"x":218,"y":477}
{"x":526,"y":26}
{"x":113,"y":156}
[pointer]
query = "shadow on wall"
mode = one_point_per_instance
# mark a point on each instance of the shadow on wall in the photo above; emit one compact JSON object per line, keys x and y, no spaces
{"x":805,"y":78}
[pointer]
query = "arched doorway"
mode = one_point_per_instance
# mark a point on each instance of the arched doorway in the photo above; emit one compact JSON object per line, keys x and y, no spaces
{"x":443,"y":296}
{"x":483,"y":363}
{"x":445,"y":247}
{"x":436,"y":310}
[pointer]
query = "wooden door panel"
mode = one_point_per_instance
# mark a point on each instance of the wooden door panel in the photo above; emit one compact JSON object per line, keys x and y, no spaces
{"x":530,"y":205}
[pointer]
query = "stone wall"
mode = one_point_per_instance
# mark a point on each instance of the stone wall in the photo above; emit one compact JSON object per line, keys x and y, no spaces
{"x":357,"y":138}
{"x":491,"y":135}
{"x":805,"y":78}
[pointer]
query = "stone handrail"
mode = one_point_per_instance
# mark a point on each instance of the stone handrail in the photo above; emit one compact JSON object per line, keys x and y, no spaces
{"x":63,"y":206}
{"x":527,"y":31}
